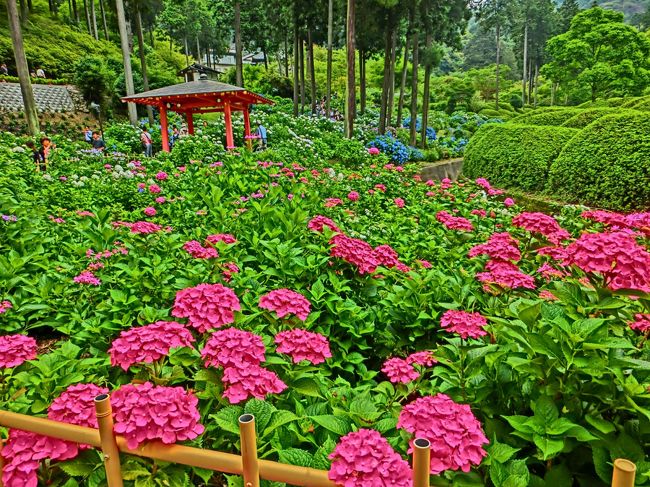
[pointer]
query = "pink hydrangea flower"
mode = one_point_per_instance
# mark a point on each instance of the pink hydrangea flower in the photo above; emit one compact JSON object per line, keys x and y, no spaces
{"x":303,"y":345}
{"x":161,"y":176}
{"x":250,"y":381}
{"x":483,"y":183}
{"x":549,"y":272}
{"x":198,"y":251}
{"x":424,"y":358}
{"x":506,"y":275}
{"x":76,"y":405}
{"x":399,"y":371}
{"x":160,"y":200}
{"x":355,"y":251}
{"x":23,"y":453}
{"x":144,"y":227}
{"x":456,"y":436}
{"x":150,"y":211}
{"x":454,"y":222}
{"x":541,"y":223}
{"x":508,"y":202}
{"x":16,"y":349}
{"x":207,"y":306}
{"x":154,"y":188}
{"x":221,"y":237}
{"x":554,"y":252}
{"x":548,"y":295}
{"x":380,"y":187}
{"x":373,"y":151}
{"x":616,"y":256}
{"x":147,"y":412}
{"x":467,"y":325}
{"x":365,"y":458}
{"x":233,"y":348}
{"x":318,"y":222}
{"x":399,"y":202}
{"x":642,"y":323}
{"x":4,"y":306}
{"x":353,"y":196}
{"x":425,"y":263}
{"x":386,"y":256}
{"x":229,"y":268}
{"x":615,"y":220}
{"x":500,"y":246}
{"x":332,"y":202}
{"x":479,"y":212}
{"x":146,"y":344}
{"x":87,"y":277}
{"x":285,"y":302}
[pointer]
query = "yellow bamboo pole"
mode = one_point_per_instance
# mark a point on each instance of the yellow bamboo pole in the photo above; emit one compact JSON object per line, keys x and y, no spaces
{"x":421,"y":462}
{"x":193,"y":457}
{"x":110,"y":451}
{"x":248,"y":442}
{"x":624,"y":473}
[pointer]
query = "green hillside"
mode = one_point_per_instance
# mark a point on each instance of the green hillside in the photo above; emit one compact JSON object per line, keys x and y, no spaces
{"x":628,"y":7}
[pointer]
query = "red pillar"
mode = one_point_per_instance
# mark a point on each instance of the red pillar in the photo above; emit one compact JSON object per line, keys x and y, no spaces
{"x":190,"y":122}
{"x":163,"y":128}
{"x":230,"y":143}
{"x":247,"y":127}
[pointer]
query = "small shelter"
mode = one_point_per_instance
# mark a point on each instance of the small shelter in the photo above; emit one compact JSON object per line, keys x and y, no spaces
{"x":194,"y":71}
{"x":203,"y":96}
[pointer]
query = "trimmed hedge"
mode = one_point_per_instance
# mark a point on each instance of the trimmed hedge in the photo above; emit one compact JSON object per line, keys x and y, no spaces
{"x":515,"y":155}
{"x":552,"y":116}
{"x":607,"y":164}
{"x":633,"y":101}
{"x":587,"y":116}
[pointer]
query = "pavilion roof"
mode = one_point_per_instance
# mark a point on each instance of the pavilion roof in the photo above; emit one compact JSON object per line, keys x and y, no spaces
{"x":204,"y":93}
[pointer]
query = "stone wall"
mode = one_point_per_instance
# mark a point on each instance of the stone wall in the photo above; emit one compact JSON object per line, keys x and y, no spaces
{"x":439,"y":170}
{"x":49,"y":98}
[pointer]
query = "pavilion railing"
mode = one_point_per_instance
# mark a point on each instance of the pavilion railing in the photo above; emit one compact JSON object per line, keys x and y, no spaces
{"x":246,"y":465}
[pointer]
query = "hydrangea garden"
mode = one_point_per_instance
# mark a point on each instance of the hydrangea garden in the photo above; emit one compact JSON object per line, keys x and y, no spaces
{"x":349,"y":310}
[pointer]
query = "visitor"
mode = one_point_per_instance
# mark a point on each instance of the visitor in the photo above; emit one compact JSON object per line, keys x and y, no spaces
{"x":88,"y":135}
{"x":4,"y":70}
{"x":40,"y":73}
{"x":261,"y":134}
{"x":98,"y":143}
{"x":32,"y":74}
{"x":145,"y":138}
{"x":37,"y":157}
{"x":175,"y":136}
{"x":46,"y":148}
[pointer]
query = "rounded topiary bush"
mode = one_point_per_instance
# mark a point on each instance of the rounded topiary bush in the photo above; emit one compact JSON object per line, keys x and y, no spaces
{"x":515,"y":155}
{"x":607,"y":164}
{"x":550,"y":116}
{"x":589,"y":115}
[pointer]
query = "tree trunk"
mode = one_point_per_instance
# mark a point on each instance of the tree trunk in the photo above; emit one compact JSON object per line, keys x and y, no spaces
{"x":151,"y":38}
{"x":498,"y":62}
{"x":296,"y":62}
{"x":93,"y":17}
{"x":400,"y":103}
{"x":330,"y":37}
{"x":391,"y":78}
{"x":198,"y":51}
{"x":525,"y":58}
{"x":126,"y":58}
{"x":239,"y":62}
{"x":530,"y":79}
{"x":536,"y":81}
{"x":105,"y":24}
{"x":278,"y":57}
{"x":286,"y":55}
{"x":425,"y":95}
{"x":351,"y":99}
{"x":75,"y":12}
{"x":24,"y":11}
{"x":187,"y":53}
{"x":362,"y":82}
{"x":383,"y":110}
{"x":143,"y":58}
{"x":414,"y":90}
{"x":553,"y":91}
{"x":87,"y":13}
{"x":266,"y":59}
{"x":31,"y":113}
{"x":30,"y":6}
{"x":302,"y":74}
{"x":312,"y":71}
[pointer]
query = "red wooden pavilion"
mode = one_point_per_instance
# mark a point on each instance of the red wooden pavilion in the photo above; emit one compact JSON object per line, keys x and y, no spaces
{"x":202,"y":96}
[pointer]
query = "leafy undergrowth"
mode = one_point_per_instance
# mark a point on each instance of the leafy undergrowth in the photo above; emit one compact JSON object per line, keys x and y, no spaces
{"x":330,"y":303}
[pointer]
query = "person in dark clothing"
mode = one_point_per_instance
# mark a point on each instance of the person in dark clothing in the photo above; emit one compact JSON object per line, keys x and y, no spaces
{"x":98,"y":143}
{"x":37,"y":156}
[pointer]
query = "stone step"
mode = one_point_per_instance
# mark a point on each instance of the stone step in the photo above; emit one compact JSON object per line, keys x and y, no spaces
{"x":49,"y":98}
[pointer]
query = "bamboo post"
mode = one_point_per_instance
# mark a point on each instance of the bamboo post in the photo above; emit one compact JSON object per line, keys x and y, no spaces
{"x":421,"y":462}
{"x":249,"y":450}
{"x":624,"y":473}
{"x":110,"y":451}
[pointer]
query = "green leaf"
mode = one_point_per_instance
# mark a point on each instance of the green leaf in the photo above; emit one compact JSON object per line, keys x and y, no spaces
{"x":385,"y":425}
{"x":523,"y":424}
{"x":602,"y":464}
{"x":262,"y":411}
{"x":600,"y":424}
{"x":547,"y":446}
{"x":307,"y":387}
{"x":332,"y":423}
{"x":228,"y":418}
{"x":77,"y":467}
{"x":500,"y":452}
{"x":559,"y":426}
{"x":296,"y":456}
{"x":280,"y":418}
{"x":363,"y":407}
{"x":546,"y":410}
{"x":559,"y":476}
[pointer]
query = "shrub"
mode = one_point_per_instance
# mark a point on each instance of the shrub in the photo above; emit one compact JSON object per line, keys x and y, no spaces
{"x":547,"y":116}
{"x":515,"y":155}
{"x":607,"y":164}
{"x":585,"y":117}
{"x":396,"y":150}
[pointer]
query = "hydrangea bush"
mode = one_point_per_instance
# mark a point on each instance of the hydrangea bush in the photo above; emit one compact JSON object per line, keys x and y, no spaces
{"x":351,"y":308}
